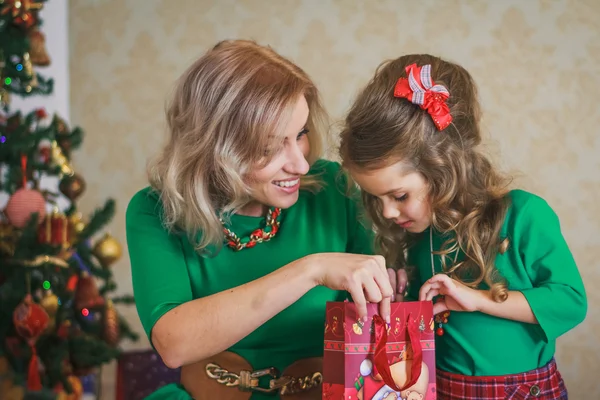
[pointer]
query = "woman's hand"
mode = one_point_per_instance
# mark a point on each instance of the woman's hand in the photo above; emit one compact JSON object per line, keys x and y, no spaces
{"x":456,"y":296}
{"x":363,"y":276}
{"x":399,"y":282}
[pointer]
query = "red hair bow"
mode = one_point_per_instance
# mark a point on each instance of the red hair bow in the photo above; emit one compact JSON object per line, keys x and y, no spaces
{"x":420,"y":89}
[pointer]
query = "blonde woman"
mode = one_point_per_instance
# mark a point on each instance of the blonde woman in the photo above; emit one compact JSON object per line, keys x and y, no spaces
{"x":245,"y":233}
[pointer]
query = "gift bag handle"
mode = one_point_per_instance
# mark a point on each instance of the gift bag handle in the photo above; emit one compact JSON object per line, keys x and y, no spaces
{"x":380,"y":358}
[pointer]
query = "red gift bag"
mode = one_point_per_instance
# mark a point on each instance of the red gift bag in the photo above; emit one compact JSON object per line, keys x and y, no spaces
{"x":374,"y":361}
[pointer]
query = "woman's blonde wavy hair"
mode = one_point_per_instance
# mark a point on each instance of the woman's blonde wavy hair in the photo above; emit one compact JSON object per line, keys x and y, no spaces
{"x":227,"y":114}
{"x":468,"y":197}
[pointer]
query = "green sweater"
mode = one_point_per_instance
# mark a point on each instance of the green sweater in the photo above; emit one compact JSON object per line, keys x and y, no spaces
{"x":166,"y":271}
{"x":539,"y":264}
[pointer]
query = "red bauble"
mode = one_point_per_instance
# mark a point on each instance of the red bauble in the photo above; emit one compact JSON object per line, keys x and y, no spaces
{"x":439,"y":331}
{"x":22,"y":204}
{"x":30,"y":321}
{"x":87,"y":294}
{"x":40,"y":112}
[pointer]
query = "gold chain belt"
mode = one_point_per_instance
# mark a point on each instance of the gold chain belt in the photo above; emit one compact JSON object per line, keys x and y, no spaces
{"x":249,"y":380}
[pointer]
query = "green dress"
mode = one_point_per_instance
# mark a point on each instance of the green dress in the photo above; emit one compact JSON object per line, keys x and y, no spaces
{"x":166,"y":271}
{"x":539,"y":264}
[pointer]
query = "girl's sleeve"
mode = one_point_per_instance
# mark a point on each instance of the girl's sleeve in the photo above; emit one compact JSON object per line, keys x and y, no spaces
{"x":158,"y":266}
{"x":557,"y":299}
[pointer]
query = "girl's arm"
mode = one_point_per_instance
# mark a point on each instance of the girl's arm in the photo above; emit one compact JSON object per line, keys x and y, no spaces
{"x":556,"y":301}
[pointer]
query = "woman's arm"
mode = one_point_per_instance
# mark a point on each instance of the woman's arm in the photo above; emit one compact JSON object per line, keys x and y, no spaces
{"x":185,"y":330}
{"x":203,"y":327}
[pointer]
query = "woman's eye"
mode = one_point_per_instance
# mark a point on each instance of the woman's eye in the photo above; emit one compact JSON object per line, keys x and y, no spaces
{"x":302,"y":133}
{"x":401,"y":198}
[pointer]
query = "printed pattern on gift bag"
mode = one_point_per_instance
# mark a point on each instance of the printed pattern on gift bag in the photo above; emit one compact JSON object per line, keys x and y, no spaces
{"x":374,"y":361}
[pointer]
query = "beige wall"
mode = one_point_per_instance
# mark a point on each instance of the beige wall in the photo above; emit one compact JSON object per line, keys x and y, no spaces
{"x":536,"y":62}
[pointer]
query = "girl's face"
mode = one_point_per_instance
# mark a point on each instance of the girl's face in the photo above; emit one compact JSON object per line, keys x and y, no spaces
{"x":278,"y":183}
{"x":403,"y":195}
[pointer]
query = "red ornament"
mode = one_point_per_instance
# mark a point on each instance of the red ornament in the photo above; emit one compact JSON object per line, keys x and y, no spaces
{"x":41,"y":113}
{"x":87,"y":294}
{"x":63,"y":330}
{"x":24,"y":12}
{"x":439,"y":331}
{"x":72,"y":283}
{"x":30,"y":321}
{"x":54,"y":230}
{"x":22,"y":204}
{"x":45,"y":154}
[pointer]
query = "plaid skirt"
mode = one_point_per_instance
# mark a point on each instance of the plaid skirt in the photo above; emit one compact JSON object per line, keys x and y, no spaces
{"x":542,"y":383}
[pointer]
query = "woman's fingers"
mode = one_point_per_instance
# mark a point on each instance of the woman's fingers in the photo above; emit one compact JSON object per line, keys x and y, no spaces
{"x":385,"y":308}
{"x":360,"y":302}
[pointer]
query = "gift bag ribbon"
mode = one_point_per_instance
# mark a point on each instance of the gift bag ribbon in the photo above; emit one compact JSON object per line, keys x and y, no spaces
{"x":380,"y":357}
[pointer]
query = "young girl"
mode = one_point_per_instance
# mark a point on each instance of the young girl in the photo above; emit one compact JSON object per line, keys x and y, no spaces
{"x":495,"y":259}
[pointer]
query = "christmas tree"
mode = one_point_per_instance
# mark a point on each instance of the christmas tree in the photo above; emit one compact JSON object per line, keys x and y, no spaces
{"x":57,"y":319}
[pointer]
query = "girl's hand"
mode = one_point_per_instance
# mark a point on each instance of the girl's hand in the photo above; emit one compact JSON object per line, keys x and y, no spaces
{"x":456,"y":296}
{"x":399,"y":281}
{"x":363,"y":276}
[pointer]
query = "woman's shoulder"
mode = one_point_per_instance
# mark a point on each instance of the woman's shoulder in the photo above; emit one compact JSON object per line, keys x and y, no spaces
{"x":145,"y":201}
{"x":327,"y":167}
{"x":330,"y":174}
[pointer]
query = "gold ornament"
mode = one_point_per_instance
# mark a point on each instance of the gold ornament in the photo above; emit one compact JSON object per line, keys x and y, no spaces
{"x":59,"y":159}
{"x":4,"y":97}
{"x":111,"y":324}
{"x":28,"y":67}
{"x":15,"y":393}
{"x":37,"y":48}
{"x":8,"y":239}
{"x":76,"y":226}
{"x":77,"y":390}
{"x":50,"y":303}
{"x":40,"y":260}
{"x":72,"y":186}
{"x":107,"y":250}
{"x":5,"y":385}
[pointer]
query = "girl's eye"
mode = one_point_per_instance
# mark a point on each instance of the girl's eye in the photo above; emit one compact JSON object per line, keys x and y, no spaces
{"x":401,"y":198}
{"x":302,"y":133}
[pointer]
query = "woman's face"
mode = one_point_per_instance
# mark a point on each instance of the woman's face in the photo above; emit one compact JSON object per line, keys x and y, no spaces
{"x":278,"y":183}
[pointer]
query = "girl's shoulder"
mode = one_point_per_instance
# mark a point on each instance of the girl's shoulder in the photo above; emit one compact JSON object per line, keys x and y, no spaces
{"x":521,"y":200}
{"x":526,"y":209}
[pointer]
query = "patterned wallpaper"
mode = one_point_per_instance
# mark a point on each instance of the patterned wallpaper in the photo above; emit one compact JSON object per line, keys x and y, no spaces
{"x":536,"y":63}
